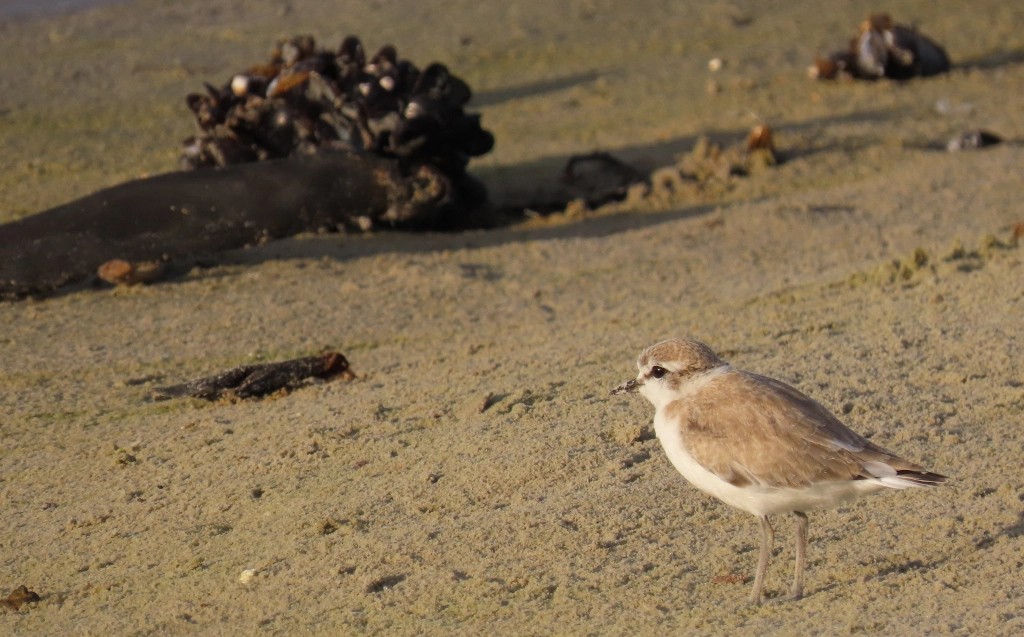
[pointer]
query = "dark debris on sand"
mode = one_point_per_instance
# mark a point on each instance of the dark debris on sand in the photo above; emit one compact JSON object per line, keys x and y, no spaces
{"x":884,"y":49}
{"x":18,"y":598}
{"x":256,"y":381}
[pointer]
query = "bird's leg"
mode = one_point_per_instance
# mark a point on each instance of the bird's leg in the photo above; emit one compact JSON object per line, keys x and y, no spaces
{"x":801,"y":554}
{"x":767,"y":540}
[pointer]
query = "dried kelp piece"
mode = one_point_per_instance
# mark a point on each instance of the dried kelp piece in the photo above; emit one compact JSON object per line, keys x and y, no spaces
{"x":884,"y":49}
{"x":19,"y":597}
{"x":253,"y":381}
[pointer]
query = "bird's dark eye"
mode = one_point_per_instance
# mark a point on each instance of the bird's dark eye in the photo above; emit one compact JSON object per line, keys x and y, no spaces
{"x":658,"y":372}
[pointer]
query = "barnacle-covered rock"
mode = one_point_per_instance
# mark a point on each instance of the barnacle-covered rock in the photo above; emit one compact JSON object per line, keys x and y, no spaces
{"x":307,"y":98}
{"x":884,"y":49}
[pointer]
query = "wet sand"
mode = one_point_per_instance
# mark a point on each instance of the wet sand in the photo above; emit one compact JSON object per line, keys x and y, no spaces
{"x":477,"y":478}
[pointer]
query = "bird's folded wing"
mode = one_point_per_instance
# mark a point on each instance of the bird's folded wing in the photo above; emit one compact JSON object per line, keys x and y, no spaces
{"x":754,"y":430}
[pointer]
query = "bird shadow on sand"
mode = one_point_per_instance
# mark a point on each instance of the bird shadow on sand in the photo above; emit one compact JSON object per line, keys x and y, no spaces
{"x":908,"y":566}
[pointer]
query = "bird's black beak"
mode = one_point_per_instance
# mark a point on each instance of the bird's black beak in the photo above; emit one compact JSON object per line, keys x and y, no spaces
{"x":628,"y":387}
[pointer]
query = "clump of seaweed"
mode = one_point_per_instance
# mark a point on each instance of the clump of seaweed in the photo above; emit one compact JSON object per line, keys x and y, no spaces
{"x":906,"y":271}
{"x":711,"y":168}
{"x":920,"y":266}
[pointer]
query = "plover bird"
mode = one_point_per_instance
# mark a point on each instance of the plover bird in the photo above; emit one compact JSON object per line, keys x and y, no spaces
{"x":760,"y":445}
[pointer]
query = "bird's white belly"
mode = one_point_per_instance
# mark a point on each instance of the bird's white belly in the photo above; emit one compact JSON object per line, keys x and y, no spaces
{"x":755,"y":499}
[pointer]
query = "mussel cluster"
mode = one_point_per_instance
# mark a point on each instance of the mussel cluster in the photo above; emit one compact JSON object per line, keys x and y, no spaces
{"x":307,"y":98}
{"x":884,"y":49}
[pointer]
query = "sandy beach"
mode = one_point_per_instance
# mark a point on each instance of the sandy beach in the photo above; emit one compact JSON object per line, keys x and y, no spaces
{"x":476,"y":477}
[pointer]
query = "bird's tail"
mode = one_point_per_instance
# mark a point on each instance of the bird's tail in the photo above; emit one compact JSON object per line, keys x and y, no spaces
{"x":913,"y":478}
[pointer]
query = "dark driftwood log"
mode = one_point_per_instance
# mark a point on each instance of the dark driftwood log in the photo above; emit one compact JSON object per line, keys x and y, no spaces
{"x":185,"y":214}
